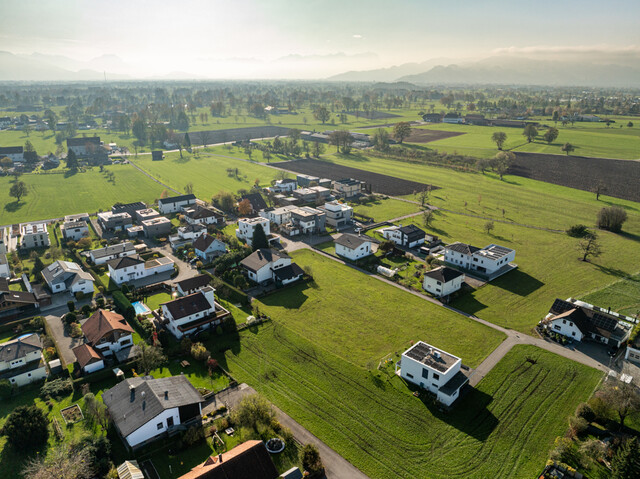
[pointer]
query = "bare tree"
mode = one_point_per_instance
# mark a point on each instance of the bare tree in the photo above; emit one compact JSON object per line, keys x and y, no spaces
{"x":60,"y":464}
{"x":599,"y":189}
{"x":205,"y":137}
{"x":427,"y":217}
{"x":589,"y":246}
{"x":489,"y":226}
{"x":623,"y":398}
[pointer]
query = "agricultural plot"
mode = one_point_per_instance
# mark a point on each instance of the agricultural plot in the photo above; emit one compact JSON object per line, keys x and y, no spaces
{"x":504,"y":428}
{"x":421,"y":135}
{"x":384,"y":209}
{"x":384,"y":184}
{"x":622,"y":296}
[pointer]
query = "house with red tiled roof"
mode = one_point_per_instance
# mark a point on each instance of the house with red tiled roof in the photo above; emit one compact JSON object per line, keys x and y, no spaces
{"x":107,"y":332}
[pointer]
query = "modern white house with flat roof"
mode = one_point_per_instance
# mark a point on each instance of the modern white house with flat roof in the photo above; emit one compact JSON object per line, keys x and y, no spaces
{"x":278,"y":216}
{"x":246,"y":227}
{"x":33,"y":235}
{"x":487,"y":260}
{"x":337,"y":214}
{"x":74,"y":230}
{"x":433,"y":369}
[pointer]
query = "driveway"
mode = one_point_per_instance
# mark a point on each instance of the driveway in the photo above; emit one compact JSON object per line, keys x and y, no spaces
{"x":63,"y":341}
{"x":336,"y":467}
{"x":186,"y":271}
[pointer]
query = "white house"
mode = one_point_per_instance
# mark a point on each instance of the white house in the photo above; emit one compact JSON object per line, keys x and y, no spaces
{"x":14,"y":153}
{"x":175,"y":203}
{"x":84,"y":146}
{"x":285,"y":185}
{"x":74,"y":230}
{"x":409,"y":236}
{"x":203,"y":215}
{"x":246,"y":227}
{"x":442,"y":281}
{"x":67,"y":276}
{"x":270,"y":265}
{"x":145,"y":409}
{"x":88,"y":358}
{"x":486,"y":261}
{"x":192,"y":285}
{"x":107,"y":332}
{"x":453,"y":118}
{"x":187,"y":234}
{"x":578,"y":320}
{"x":633,"y":350}
{"x":353,"y":247}
{"x":337,"y":214}
{"x":131,"y":268}
{"x":102,"y":255}
{"x":433,"y":369}
{"x":33,"y":235}
{"x":21,"y":360}
{"x":208,"y":247}
{"x":278,"y":216}
{"x":192,"y":313}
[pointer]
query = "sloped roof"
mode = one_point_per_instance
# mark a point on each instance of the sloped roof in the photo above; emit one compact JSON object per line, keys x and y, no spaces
{"x":188,"y":305}
{"x":176,"y":199}
{"x":125,"y":262}
{"x":352,"y":241}
{"x":261,"y":258}
{"x":83,"y":141}
{"x":85,"y":355}
{"x":199,"y":281}
{"x":256,"y":200}
{"x":288,"y":272}
{"x":412,"y":232}
{"x":202,"y":242}
{"x":114,"y":249}
{"x":443,"y":274}
{"x":462,"y":248}
{"x":103,"y":322}
{"x":130,"y":469}
{"x":19,"y":348}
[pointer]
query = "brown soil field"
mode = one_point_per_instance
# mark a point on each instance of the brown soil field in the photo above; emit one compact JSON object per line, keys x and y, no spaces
{"x":426,"y":136}
{"x":383,"y":184}
{"x":621,"y":177}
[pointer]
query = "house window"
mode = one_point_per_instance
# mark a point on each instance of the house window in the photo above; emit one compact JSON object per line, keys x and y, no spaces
{"x":564,"y":321}
{"x":436,"y":376}
{"x":573,"y":333}
{"x":425,"y":373}
{"x":160,"y":426}
{"x":169,"y":422}
{"x":408,"y":375}
{"x":557,"y":326}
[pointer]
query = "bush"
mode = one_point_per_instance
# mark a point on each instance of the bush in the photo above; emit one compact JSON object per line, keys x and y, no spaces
{"x":193,"y":435}
{"x":86,"y":310}
{"x":199,"y":352}
{"x":56,"y":388}
{"x":26,"y":428}
{"x":578,"y":426}
{"x":70,"y":318}
{"x":123,"y":305}
{"x":612,"y":218}
{"x":36,"y":323}
{"x":599,"y":408}
{"x":76,"y":330}
{"x":310,"y":459}
{"x":6,"y":389}
{"x":79,"y":295}
{"x":578,"y":231}
{"x":71,"y":305}
{"x":585,"y":412}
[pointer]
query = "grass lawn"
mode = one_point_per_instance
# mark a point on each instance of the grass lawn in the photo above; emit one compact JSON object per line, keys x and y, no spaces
{"x":239,"y":313}
{"x":362,"y":319}
{"x":622,"y":296}
{"x":197,"y":373}
{"x":154,"y":301}
{"x":56,"y":195}
{"x":504,"y":428}
{"x":384,"y":209}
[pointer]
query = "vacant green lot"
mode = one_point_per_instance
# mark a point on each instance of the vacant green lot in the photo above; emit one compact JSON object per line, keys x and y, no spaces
{"x":384,"y":209}
{"x":362,"y":319}
{"x":56,"y":195}
{"x":622,"y":296}
{"x":504,"y":428}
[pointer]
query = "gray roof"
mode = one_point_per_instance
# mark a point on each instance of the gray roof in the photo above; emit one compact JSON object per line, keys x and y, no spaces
{"x":125,"y":262}
{"x":136,"y":401}
{"x":195,"y":282}
{"x":352,"y":241}
{"x":443,"y":274}
{"x":433,"y":357}
{"x":64,"y":271}
{"x":83,"y":141}
{"x":261,"y":258}
{"x":188,"y":305}
{"x":19,"y":348}
{"x":110,"y":250}
{"x":462,"y":248}
{"x":176,"y":199}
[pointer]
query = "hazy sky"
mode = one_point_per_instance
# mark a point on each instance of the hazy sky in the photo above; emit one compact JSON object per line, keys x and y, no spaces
{"x":208,"y":37}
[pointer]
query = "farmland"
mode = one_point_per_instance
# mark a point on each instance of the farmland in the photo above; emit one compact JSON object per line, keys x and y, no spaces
{"x":622,"y":296}
{"x":504,"y":428}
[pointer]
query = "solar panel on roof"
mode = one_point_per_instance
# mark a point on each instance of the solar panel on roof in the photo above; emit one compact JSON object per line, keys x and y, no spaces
{"x":561,"y":306}
{"x":604,"y":322}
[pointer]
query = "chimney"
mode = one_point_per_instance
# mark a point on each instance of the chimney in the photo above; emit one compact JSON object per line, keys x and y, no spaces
{"x":132,"y":389}
{"x":166,"y":395}
{"x":220,"y":457}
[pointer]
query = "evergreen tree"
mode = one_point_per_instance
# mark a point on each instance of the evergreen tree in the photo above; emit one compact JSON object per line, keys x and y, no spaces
{"x":626,"y":462}
{"x":72,"y":160}
{"x":27,"y":427}
{"x":38,"y":266}
{"x":259,"y":239}
{"x":187,"y":141}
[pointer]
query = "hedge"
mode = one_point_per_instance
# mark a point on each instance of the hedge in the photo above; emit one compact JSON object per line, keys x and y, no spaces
{"x":11,"y":325}
{"x":123,"y":305}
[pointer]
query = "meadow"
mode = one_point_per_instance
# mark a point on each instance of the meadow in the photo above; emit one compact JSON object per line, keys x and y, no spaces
{"x":622,"y":296}
{"x":384,"y":209}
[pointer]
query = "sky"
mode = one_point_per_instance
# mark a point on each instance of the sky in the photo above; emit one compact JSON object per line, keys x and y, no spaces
{"x":287,"y":38}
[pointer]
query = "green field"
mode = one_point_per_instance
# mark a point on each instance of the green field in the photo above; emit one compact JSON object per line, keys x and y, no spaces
{"x":57,"y":195}
{"x":622,"y":296}
{"x":504,"y":428}
{"x":362,"y":319}
{"x":384,"y":209}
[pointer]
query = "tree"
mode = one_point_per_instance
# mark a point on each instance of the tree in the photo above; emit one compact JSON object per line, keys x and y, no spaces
{"x":625,"y":464}
{"x":61,"y":463}
{"x":225,"y":201}
{"x":27,"y":427}
{"x":18,"y":190}
{"x":381,"y":139}
{"x":342,"y":139}
{"x":30,"y":154}
{"x":550,"y":135}
{"x":318,"y":149}
{"x":321,"y":114}
{"x":72,"y":160}
{"x":38,"y":266}
{"x":139,"y":130}
{"x":96,"y":411}
{"x":188,"y":188}
{"x":503,"y":161}
{"x":622,"y":398}
{"x":266,"y":155}
{"x":427,"y":217}
{"x":423,"y":195}
{"x":252,"y":411}
{"x":599,"y":189}
{"x":6,"y":389}
{"x":149,"y":357}
{"x":612,"y":218}
{"x":259,"y":239}
{"x":6,"y":163}
{"x":568,"y":148}
{"x":244,"y":207}
{"x":310,"y":459}
{"x":499,"y":137}
{"x":630,"y":124}
{"x":401,"y":131}
{"x":489,"y":226}
{"x":530,"y":132}
{"x":186,"y":143}
{"x":589,"y":246}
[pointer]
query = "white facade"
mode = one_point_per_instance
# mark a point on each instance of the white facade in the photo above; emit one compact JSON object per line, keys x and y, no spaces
{"x":278,"y":216}
{"x":107,"y":347}
{"x":93,"y":367}
{"x":74,"y":230}
{"x":354,"y":253}
{"x":487,"y":260}
{"x":63,"y":276}
{"x":338,"y":214}
{"x":116,"y":251}
{"x":632,"y":354}
{"x":246,"y":227}
{"x":169,"y":206}
{"x":454,"y":120}
{"x":34,"y":235}
{"x":22,"y":374}
{"x":140,"y":270}
{"x":5,"y":271}
{"x":266,"y":272}
{"x":156,"y":426}
{"x":215,"y":248}
{"x":439,"y":287}
{"x":566,"y":327}
{"x":202,"y":313}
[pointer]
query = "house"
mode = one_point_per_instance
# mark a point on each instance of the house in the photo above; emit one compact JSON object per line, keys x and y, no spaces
{"x":246,"y":227}
{"x":208,"y":247}
{"x":107,"y":332}
{"x":306,"y":180}
{"x":432,"y":117}
{"x":580,"y":321}
{"x":15,"y":153}
{"x":79,"y":217}
{"x":203,"y":215}
{"x":486,"y":261}
{"x":278,"y":216}
{"x":191,"y":285}
{"x":353,"y":247}
{"x":337,"y":214}
{"x":592,"y":118}
{"x":5,"y":122}
{"x":434,"y":370}
{"x":145,"y":214}
{"x":21,"y":360}
{"x":257,"y":202}
{"x":175,"y":203}
{"x":187,"y":234}
{"x":312,"y":194}
{"x":408,"y":236}
{"x":74,"y":230}
{"x":5,"y":270}
{"x":157,"y":155}
{"x":305,"y":220}
{"x":249,"y":460}
{"x":193,"y":313}
{"x":475,"y":119}
{"x":348,"y":188}
{"x":452,"y":118}
{"x":88,"y":358}
{"x":102,"y":255}
{"x":130,"y":208}
{"x":131,"y":268}
{"x":145,"y":409}
{"x":33,"y":235}
{"x":156,"y":227}
{"x":285,"y":185}
{"x":85,"y":146}
{"x":633,"y":349}
{"x":14,"y":303}
{"x":264,"y":265}
{"x":110,"y":221}
{"x":442,"y":281}
{"x":67,"y":276}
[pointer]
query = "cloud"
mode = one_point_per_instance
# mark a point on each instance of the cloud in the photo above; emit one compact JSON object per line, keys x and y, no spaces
{"x":629,"y":50}
{"x":357,"y":36}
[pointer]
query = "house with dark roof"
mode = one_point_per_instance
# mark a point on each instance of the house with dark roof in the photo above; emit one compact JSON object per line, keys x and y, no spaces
{"x":14,"y":303}
{"x":452,"y":117}
{"x":130,"y":208}
{"x":131,"y":268}
{"x":208,"y":247}
{"x":257,"y":202}
{"x":486,"y":261}
{"x":203,"y":215}
{"x":102,"y":255}
{"x":192,"y":285}
{"x":146,"y":409}
{"x":107,"y":332}
{"x":435,"y":370}
{"x":432,"y":117}
{"x":175,"y":204}
{"x":157,"y":155}
{"x":265,"y":265}
{"x":110,"y":221}
{"x":249,"y":460}
{"x":581,"y":321}
{"x":442,"y":281}
{"x":353,"y":247}
{"x":409,"y":236}
{"x":193,"y":313}
{"x":21,"y":360}
{"x":14,"y":153}
{"x":84,"y":146}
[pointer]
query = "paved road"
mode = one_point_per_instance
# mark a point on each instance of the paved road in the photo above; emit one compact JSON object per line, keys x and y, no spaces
{"x":185,"y":269}
{"x":336,"y":467}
